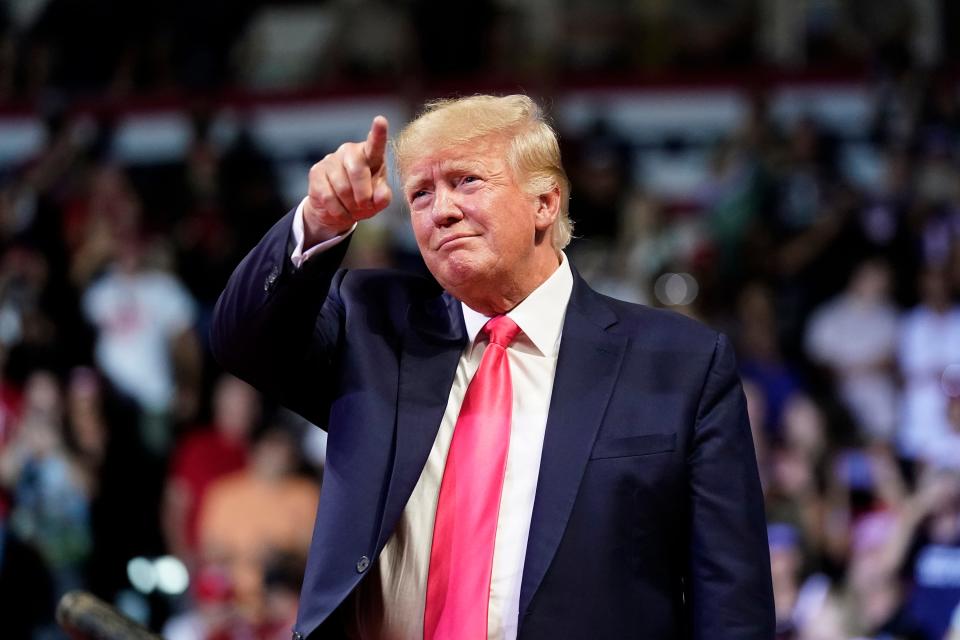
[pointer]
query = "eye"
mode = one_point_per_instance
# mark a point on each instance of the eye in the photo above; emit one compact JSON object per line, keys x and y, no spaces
{"x":417,"y":194}
{"x":469,"y":179}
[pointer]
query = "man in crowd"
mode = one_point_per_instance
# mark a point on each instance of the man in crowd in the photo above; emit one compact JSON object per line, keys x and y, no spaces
{"x":510,"y":454}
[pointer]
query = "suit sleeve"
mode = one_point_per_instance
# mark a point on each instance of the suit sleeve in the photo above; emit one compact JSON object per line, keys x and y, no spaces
{"x":730,"y":593}
{"x":278,"y":327}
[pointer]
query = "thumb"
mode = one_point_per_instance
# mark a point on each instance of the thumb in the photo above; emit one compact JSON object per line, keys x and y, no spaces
{"x":382,"y":194}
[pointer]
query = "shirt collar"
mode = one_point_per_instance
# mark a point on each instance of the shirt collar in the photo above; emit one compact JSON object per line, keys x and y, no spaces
{"x":539,"y":316}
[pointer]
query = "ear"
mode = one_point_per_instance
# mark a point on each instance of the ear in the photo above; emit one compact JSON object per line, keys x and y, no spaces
{"x":548,"y":208}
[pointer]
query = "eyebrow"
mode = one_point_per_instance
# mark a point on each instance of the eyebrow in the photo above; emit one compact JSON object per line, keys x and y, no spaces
{"x":459,"y":165}
{"x":414,"y":184}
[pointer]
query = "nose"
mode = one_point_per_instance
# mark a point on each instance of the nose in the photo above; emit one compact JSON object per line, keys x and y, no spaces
{"x":445,"y":208}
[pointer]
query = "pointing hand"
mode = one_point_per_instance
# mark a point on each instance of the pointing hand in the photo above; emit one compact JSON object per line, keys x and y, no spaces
{"x":348,"y":185}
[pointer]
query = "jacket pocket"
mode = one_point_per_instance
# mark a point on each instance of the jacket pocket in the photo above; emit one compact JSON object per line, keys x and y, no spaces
{"x":634,"y":446}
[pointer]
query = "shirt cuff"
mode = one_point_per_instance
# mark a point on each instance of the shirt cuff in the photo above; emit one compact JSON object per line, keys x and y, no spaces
{"x":300,"y":253}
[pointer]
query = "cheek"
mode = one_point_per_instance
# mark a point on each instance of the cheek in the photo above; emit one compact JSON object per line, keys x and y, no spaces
{"x":514,"y":230}
{"x":421,"y":229}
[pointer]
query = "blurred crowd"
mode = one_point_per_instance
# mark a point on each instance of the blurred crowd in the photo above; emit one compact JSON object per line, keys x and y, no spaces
{"x":121,"y":440}
{"x":107,"y":48}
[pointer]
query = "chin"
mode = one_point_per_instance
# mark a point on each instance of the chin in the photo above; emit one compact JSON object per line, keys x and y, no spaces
{"x":459,"y":274}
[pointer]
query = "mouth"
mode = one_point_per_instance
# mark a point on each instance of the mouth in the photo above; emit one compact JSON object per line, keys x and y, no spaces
{"x":451,"y":240}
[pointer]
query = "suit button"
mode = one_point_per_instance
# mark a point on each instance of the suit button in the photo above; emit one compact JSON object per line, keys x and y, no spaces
{"x":271,"y":279}
{"x":297,"y":636}
{"x":362,"y":564}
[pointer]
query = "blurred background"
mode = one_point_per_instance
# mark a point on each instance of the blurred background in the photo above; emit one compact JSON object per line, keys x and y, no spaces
{"x":787,"y":171}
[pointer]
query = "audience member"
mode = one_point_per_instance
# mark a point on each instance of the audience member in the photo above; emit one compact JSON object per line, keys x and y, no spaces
{"x":263,"y":509}
{"x":204,"y":456}
{"x":51,"y":493}
{"x":144,"y":319}
{"x":929,"y":343}
{"x":854,"y":335}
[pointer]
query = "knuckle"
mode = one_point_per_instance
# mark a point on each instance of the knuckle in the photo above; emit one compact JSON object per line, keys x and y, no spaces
{"x":318,"y":173}
{"x":355,"y":170}
{"x":356,"y":157}
{"x":343,"y":190}
{"x":329,"y":200}
{"x":315,"y":188}
{"x":324,"y":165}
{"x":336,"y":180}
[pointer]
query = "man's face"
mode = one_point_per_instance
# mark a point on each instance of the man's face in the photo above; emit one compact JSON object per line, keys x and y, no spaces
{"x":477,"y":229}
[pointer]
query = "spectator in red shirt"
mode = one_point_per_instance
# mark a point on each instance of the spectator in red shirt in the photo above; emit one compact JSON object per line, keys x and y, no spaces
{"x":204,"y":456}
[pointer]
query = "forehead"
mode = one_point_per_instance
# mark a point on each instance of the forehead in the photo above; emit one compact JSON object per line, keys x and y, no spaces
{"x":481,"y":154}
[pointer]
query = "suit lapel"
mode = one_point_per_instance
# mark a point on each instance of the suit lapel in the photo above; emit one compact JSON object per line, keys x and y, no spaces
{"x":587,"y":368}
{"x":432,"y":345}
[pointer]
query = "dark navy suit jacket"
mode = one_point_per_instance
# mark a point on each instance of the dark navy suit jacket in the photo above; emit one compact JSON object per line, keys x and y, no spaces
{"x":648,"y":520}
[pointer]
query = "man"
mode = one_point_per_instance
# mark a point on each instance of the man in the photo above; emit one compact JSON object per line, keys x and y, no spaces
{"x":577,"y":467}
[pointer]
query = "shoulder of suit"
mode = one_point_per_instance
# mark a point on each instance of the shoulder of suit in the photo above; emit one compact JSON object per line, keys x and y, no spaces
{"x":660,"y":327}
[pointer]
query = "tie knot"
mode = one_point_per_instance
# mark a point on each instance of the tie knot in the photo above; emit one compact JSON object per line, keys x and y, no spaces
{"x":501,"y":330}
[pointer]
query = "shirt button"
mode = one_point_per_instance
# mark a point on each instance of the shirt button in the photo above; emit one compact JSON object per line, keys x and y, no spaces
{"x":271,"y":279}
{"x":362,"y":564}
{"x":297,"y":636}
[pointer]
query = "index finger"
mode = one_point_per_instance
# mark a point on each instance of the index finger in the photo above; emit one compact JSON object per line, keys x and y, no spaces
{"x":376,"y":144}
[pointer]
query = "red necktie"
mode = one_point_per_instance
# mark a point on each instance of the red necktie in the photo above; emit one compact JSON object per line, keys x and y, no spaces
{"x":464,"y":532}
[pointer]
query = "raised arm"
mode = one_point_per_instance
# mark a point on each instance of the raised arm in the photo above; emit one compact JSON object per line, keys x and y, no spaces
{"x":278,"y":326}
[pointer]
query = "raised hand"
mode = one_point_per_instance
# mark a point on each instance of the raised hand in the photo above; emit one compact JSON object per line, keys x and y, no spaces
{"x":349,"y":184}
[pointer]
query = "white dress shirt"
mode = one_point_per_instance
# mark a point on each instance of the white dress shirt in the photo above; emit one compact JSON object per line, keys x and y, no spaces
{"x":390,"y":601}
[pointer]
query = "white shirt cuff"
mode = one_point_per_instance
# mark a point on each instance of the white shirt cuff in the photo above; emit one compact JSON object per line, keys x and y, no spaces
{"x":300,"y":253}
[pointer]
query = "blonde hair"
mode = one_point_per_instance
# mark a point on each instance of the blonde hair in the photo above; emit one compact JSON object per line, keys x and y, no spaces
{"x":533,"y":152}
